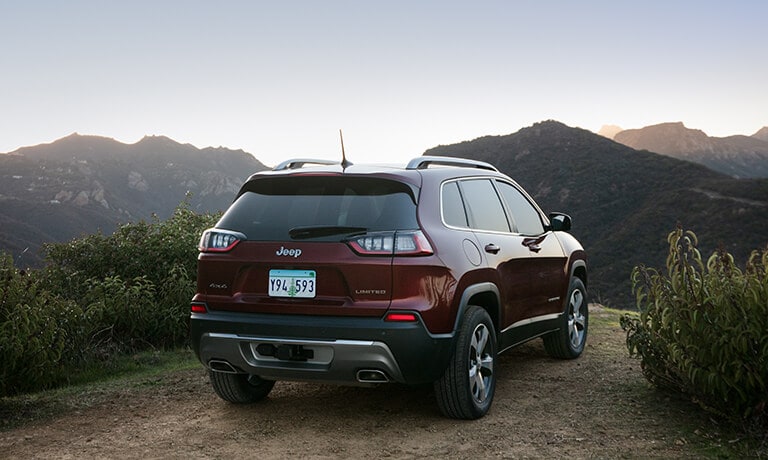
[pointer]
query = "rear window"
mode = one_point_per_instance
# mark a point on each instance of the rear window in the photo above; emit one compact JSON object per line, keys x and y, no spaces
{"x":271,"y":207}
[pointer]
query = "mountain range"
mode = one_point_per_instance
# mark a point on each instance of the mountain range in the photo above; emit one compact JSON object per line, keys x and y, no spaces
{"x":623,"y":201}
{"x":737,"y":156}
{"x":86,"y":184}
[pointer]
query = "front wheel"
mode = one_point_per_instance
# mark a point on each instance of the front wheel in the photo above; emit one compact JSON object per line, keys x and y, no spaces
{"x":568,"y":342}
{"x":465,"y":391}
{"x":240,"y":388}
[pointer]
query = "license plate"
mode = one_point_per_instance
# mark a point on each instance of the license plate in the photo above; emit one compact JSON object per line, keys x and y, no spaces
{"x":292,"y":283}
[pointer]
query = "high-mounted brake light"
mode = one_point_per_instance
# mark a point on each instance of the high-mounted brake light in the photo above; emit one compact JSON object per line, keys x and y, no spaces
{"x":214,"y":240}
{"x":400,"y":243}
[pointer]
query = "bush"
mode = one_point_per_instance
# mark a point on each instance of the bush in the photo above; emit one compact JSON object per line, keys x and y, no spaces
{"x":96,"y":297}
{"x":37,"y":331}
{"x":131,"y":315}
{"x":702,"y":330}
{"x":151,"y":250}
{"x":135,"y":285}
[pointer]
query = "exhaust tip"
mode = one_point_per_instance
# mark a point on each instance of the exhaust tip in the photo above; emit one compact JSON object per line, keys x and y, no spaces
{"x":222,"y":366}
{"x":371,"y":376}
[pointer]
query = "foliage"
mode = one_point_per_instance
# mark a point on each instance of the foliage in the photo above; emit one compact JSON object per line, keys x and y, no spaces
{"x":36,"y":331}
{"x":98,"y":296}
{"x":143,"y":249}
{"x":701,"y":328}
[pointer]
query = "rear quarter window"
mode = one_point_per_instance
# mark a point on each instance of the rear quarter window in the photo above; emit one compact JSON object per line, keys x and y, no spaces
{"x":452,"y":205}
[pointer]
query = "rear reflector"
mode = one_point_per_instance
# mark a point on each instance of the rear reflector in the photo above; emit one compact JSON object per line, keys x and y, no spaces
{"x":401,"y":317}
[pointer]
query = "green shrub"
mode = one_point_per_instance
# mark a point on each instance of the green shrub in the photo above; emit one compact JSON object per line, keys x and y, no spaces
{"x":151,"y":250}
{"x":134,"y":286}
{"x":130,"y":315}
{"x":702,"y":329}
{"x":119,"y":314}
{"x":98,"y":296}
{"x":172,"y":310}
{"x":36,"y":332}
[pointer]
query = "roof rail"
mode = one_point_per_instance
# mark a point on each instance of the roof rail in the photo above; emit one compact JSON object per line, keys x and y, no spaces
{"x":423,"y":162}
{"x":296,"y":163}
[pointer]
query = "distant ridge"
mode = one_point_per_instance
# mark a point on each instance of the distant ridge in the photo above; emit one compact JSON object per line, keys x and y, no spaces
{"x":762,"y":134}
{"x":737,"y":156}
{"x":609,"y":131}
{"x":83,"y":184}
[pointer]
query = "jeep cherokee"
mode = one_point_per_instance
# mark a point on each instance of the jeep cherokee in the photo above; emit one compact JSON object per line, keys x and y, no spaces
{"x":352,"y":274}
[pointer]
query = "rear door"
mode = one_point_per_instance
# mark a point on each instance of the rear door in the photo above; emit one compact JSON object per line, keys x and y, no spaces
{"x":503,"y":250}
{"x":527,"y":260}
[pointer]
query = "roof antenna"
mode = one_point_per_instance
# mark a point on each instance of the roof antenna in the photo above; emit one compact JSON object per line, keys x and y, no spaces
{"x":344,"y":162}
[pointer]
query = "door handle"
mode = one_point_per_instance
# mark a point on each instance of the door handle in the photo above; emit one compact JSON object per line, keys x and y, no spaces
{"x":533,"y":243}
{"x":492,"y":248}
{"x":534,"y":247}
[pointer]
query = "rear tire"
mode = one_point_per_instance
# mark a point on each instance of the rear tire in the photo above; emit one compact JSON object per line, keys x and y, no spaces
{"x":465,"y":391}
{"x":240,"y":388}
{"x":568,"y":342}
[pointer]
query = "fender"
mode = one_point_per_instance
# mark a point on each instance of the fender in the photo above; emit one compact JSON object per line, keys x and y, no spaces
{"x":573,"y":268}
{"x":487,"y":288}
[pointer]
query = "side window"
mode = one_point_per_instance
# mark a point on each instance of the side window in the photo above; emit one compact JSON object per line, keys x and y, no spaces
{"x":453,"y":207}
{"x":524,"y":214}
{"x":484,"y":206}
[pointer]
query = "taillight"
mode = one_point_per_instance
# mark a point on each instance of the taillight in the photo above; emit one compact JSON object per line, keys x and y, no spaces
{"x":214,"y":240}
{"x":412,"y":244}
{"x":199,"y":307}
{"x":401,"y":243}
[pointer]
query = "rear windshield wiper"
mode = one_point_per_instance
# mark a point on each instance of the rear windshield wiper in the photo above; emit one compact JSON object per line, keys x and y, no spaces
{"x":301,"y":233}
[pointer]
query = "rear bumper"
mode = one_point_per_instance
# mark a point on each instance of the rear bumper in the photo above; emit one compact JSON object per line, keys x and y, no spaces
{"x":329,"y":349}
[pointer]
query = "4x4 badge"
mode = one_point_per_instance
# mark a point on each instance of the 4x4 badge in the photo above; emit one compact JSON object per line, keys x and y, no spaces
{"x":288,"y":252}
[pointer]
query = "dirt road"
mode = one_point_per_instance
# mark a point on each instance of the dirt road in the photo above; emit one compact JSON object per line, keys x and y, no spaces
{"x":544,"y":408}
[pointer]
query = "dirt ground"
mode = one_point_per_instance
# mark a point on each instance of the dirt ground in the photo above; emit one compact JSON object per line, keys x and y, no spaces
{"x":543,"y":408}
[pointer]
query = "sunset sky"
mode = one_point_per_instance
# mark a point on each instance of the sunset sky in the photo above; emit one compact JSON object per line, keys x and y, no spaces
{"x":279,"y":79}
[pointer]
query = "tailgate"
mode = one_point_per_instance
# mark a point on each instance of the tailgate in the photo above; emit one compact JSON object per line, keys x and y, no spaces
{"x":305,"y":278}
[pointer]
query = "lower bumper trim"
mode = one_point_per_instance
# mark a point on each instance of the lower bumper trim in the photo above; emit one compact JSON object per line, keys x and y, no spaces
{"x":337,"y":361}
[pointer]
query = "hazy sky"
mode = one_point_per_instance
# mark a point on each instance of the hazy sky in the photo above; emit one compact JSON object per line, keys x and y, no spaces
{"x":280,"y":78}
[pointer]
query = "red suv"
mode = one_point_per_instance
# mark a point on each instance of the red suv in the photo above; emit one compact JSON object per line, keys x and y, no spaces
{"x":351,"y":274}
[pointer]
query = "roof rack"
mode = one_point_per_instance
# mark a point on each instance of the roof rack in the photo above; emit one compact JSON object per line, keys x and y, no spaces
{"x":423,"y":162}
{"x":296,"y":163}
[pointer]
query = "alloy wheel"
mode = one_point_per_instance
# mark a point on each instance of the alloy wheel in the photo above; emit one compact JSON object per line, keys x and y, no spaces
{"x":480,"y":363}
{"x":576,"y":318}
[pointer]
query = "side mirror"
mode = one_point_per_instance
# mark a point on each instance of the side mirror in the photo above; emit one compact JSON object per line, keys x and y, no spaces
{"x":559,"y":222}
